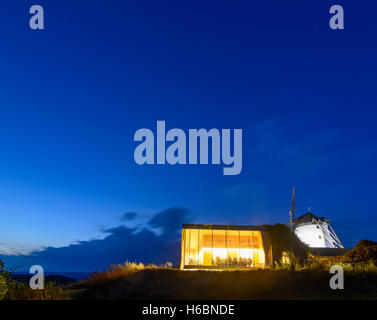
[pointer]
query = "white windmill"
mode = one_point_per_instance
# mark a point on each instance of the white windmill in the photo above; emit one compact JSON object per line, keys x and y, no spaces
{"x":314,"y":231}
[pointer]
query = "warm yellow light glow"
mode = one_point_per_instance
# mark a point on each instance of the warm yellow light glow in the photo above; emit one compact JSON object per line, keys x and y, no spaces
{"x":217,"y":252}
{"x":257,"y":255}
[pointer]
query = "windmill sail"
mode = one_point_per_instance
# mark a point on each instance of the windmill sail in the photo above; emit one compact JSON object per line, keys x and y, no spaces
{"x":293,"y":203}
{"x":292,"y":210}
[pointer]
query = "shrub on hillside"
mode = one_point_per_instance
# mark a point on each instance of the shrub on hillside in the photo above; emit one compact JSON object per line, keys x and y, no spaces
{"x":116,"y":272}
{"x":17,"y":290}
{"x":283,"y":241}
{"x":364,"y":251}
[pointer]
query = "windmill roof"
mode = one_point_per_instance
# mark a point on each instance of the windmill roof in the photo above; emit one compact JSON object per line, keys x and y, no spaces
{"x":307,"y":217}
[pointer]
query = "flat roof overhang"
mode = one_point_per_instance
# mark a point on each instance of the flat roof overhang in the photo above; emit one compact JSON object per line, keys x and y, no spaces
{"x":223,"y":227}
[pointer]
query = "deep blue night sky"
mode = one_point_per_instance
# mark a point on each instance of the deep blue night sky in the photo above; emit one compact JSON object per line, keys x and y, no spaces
{"x":73,"y":95}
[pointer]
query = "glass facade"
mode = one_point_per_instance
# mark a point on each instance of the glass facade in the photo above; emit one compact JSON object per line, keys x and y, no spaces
{"x":222,"y":248}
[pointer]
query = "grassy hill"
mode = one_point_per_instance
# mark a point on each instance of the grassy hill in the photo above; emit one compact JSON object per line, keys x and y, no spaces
{"x":132,"y":281}
{"x":256,"y":284}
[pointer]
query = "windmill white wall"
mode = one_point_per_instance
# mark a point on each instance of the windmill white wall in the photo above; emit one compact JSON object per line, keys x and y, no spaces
{"x":311,"y":235}
{"x":316,"y":232}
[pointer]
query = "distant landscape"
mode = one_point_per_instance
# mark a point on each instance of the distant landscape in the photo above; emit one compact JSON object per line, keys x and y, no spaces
{"x":139,"y":281}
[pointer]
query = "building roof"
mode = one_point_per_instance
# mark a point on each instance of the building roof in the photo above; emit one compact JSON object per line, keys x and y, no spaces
{"x":223,"y":227}
{"x":307,"y":218}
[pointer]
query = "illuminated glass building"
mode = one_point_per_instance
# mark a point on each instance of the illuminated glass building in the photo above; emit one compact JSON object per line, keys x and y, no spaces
{"x":225,"y":246}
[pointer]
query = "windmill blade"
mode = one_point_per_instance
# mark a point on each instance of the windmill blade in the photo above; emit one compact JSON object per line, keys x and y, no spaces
{"x":293,"y":203}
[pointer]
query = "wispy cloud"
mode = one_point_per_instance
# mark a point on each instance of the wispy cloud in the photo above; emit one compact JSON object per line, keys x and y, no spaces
{"x":130,"y":215}
{"x":120,"y":244}
{"x":16,"y":249}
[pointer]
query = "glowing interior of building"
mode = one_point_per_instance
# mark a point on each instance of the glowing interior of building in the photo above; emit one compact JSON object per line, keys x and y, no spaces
{"x":217,"y":246}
